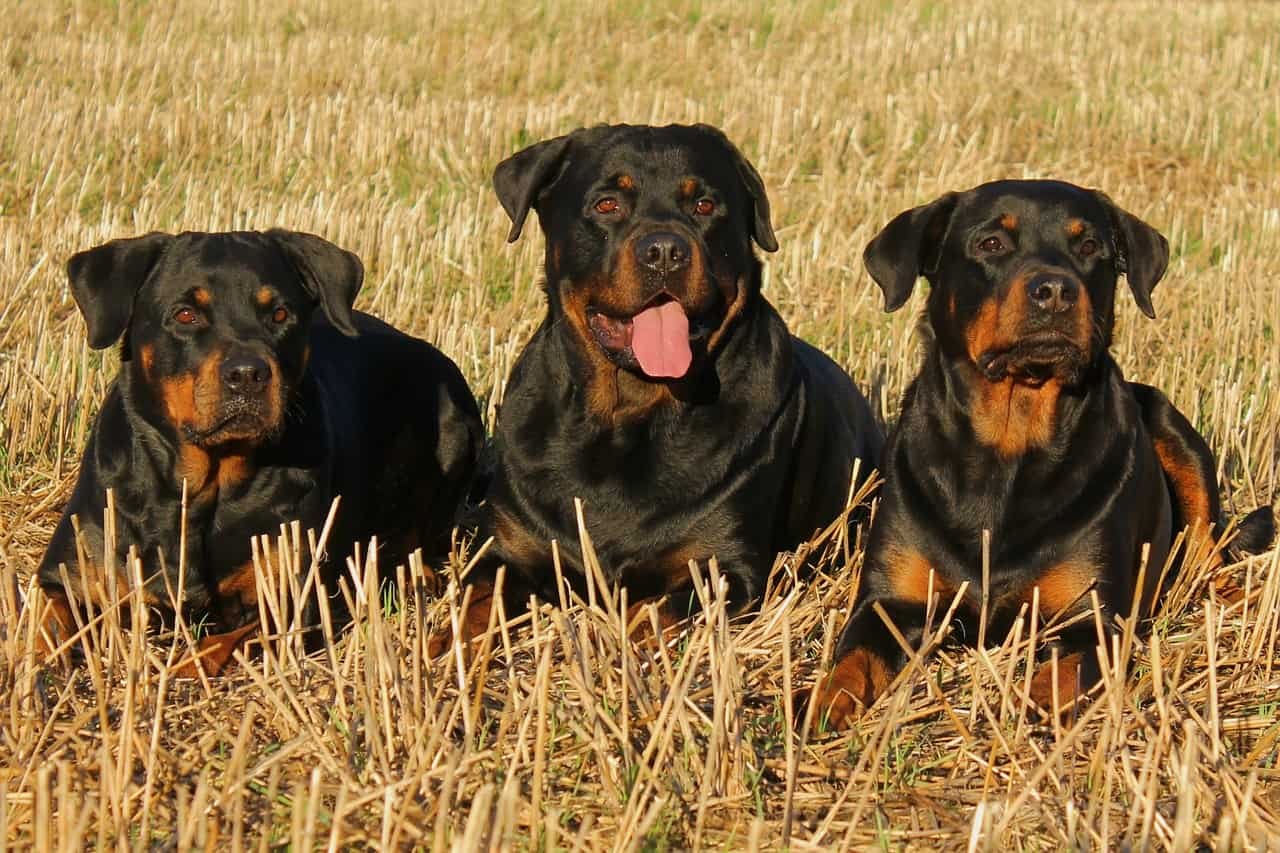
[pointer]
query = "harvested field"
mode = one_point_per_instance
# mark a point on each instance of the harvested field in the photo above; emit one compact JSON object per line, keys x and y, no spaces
{"x":377,"y":125}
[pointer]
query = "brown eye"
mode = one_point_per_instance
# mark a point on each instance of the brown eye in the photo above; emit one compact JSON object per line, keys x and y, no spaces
{"x":607,"y":205}
{"x":1087,"y":248}
{"x":704,"y":207}
{"x":992,"y":245}
{"x":279,"y":315}
{"x":186,"y":316}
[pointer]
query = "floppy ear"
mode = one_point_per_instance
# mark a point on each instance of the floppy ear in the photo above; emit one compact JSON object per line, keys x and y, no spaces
{"x":105,"y":280}
{"x":1142,"y":253}
{"x":520,"y":179}
{"x":763,"y":230}
{"x":330,"y":274}
{"x":762,"y":224}
{"x":907,"y":248}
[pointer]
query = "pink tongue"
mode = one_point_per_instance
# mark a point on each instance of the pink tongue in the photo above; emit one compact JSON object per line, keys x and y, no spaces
{"x":660,"y":340}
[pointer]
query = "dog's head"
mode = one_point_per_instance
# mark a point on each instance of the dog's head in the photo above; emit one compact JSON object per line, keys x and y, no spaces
{"x":215,"y":326}
{"x":1022,"y":274}
{"x":648,"y":239}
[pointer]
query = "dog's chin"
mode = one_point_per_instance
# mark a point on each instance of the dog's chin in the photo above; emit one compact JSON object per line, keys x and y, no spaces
{"x":1035,"y":361}
{"x":242,"y":426}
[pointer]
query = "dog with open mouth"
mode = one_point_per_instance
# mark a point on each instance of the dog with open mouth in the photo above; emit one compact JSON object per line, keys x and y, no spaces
{"x":1020,"y":423}
{"x":246,"y":375}
{"x":662,"y":388}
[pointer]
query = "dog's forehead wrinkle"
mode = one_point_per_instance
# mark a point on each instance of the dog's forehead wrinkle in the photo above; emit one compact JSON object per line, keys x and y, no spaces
{"x":248,"y":268}
{"x":661,"y":166}
{"x":660,"y":169}
{"x":1034,"y":217}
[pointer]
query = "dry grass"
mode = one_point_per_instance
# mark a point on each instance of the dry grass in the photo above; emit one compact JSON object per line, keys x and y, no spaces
{"x":377,"y":125}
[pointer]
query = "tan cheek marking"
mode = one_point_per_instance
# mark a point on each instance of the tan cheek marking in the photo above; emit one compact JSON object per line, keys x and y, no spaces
{"x":1084,"y":321}
{"x":999,"y":321}
{"x":1013,"y":311}
{"x":601,"y":381}
{"x":983,"y":329}
{"x":207,"y":398}
{"x":276,"y":400}
{"x":147,"y":355}
{"x":627,"y":286}
{"x":178,"y":395}
{"x":735,"y":309}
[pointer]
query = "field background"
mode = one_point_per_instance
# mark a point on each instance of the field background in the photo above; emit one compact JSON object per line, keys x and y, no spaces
{"x":377,"y":125}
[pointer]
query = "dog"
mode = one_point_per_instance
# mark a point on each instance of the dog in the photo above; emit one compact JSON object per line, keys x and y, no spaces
{"x":661,"y":388}
{"x":233,"y":385}
{"x":1020,"y":423}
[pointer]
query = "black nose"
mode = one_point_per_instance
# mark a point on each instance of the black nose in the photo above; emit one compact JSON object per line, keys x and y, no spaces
{"x":663,"y":252}
{"x":245,"y":374}
{"x":1053,"y":293}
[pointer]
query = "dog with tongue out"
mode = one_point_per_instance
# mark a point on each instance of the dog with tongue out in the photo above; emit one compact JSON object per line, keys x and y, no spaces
{"x":661,"y":388}
{"x":660,"y":341}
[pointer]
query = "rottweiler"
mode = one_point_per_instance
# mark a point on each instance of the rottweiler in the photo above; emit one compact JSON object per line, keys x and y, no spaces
{"x":233,"y":383}
{"x":661,"y":388}
{"x":1020,"y":423}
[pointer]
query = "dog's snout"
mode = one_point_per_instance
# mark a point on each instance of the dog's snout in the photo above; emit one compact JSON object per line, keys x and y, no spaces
{"x":663,"y":252}
{"x":1053,"y":293}
{"x":245,"y":373}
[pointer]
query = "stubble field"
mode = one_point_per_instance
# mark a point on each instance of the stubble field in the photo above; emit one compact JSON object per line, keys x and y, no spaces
{"x":377,"y":125}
